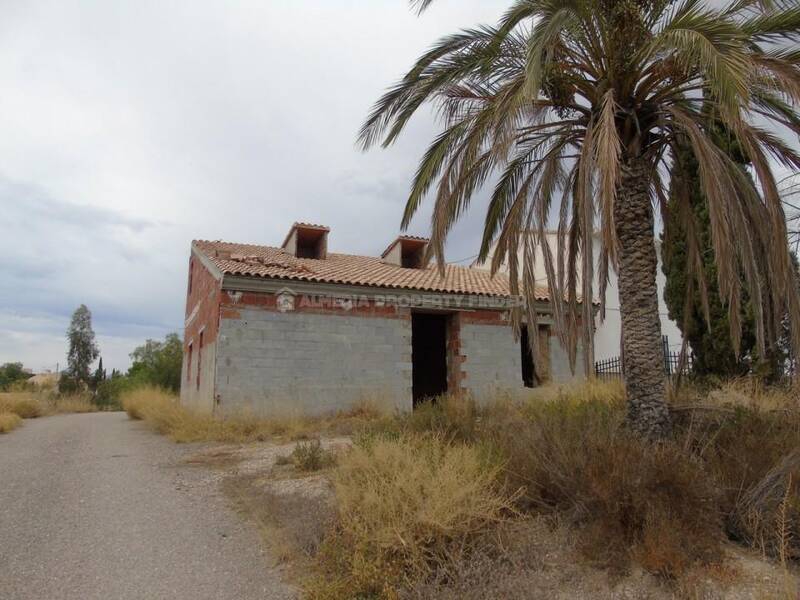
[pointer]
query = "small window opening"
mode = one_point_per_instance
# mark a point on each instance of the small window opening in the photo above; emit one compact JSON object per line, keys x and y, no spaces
{"x":199,"y":359}
{"x":189,"y":364}
{"x":311,"y":243}
{"x":191,"y":274}
{"x":411,"y":257}
{"x":528,"y":373}
{"x":407,"y":252}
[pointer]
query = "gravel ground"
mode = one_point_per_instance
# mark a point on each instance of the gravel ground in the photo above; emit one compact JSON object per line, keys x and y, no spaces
{"x":95,"y":506}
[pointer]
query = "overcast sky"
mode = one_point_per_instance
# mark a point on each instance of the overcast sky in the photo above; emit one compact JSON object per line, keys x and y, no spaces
{"x":130,"y":128}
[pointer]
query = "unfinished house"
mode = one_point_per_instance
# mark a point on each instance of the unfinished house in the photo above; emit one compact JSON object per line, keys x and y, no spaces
{"x":298,"y":328}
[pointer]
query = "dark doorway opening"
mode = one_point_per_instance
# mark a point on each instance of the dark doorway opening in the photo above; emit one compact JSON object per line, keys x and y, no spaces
{"x":428,"y":356}
{"x":528,"y":373}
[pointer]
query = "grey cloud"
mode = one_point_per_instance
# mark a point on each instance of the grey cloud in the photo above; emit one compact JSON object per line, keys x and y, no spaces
{"x":35,"y":206}
{"x":131,"y":128}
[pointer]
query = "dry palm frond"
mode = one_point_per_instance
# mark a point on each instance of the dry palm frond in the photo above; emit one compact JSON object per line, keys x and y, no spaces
{"x":560,"y":96}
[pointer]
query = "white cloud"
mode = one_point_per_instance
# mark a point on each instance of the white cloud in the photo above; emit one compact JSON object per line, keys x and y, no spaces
{"x":130,"y":128}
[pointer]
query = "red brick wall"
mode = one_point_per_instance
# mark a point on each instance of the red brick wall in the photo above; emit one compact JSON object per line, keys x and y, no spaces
{"x":455,"y":359}
{"x":231,"y":302}
{"x":202,"y":305}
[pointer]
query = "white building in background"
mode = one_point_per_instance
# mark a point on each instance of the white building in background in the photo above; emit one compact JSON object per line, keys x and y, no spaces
{"x":607,"y":335}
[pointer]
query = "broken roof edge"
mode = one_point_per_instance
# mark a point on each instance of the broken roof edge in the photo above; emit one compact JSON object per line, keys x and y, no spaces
{"x":206,"y":261}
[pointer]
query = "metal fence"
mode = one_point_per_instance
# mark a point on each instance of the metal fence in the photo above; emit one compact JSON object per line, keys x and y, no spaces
{"x":612,"y":367}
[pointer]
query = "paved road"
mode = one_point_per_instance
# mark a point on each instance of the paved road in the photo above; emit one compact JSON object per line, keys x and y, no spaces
{"x":96,"y":507}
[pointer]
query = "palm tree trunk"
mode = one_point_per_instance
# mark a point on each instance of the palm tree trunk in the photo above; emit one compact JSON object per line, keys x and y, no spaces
{"x":642,"y":354}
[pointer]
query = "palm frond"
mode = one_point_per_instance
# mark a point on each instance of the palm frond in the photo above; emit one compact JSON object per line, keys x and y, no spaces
{"x":607,"y":150}
{"x":700,"y":40}
{"x":773,"y":26}
{"x":561,"y":96}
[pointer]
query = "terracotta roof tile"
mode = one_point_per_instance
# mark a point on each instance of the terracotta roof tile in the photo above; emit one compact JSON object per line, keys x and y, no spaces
{"x":275,"y":263}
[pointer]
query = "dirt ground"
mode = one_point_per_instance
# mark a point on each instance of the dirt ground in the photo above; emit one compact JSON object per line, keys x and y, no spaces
{"x":293,"y":509}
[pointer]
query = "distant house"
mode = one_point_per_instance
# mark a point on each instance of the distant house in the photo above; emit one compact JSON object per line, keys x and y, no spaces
{"x":608,"y":334}
{"x":44,"y":380}
{"x":302,"y":329}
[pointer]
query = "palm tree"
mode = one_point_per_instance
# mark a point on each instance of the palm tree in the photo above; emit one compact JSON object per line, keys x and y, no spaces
{"x":576,"y":110}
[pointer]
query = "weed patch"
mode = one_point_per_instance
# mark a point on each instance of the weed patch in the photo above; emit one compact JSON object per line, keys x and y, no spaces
{"x":163,"y":412}
{"x":24,"y":405}
{"x":629,"y":499}
{"x":9,"y":422}
{"x":292,"y":524}
{"x":311,"y":456}
{"x":406,"y":507}
{"x":30,"y":405}
{"x":424,"y":499}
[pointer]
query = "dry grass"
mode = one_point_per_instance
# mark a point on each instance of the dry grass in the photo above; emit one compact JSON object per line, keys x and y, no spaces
{"x":426,"y":498}
{"x":311,"y":456}
{"x":406,"y":507}
{"x":162,"y":411}
{"x":291,"y":523}
{"x":30,"y":405}
{"x":23,"y":404}
{"x":630,"y":501}
{"x":563,"y":453}
{"x":78,"y":403}
{"x":9,"y":421}
{"x":746,"y":437}
{"x":604,"y":391}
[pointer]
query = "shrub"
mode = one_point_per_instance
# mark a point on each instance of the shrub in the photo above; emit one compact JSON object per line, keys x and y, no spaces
{"x":450,"y":416}
{"x":311,"y":456}
{"x":405,"y":506}
{"x":747,"y":439}
{"x":162,"y":411}
{"x":109,"y":392}
{"x":9,"y":421}
{"x":72,"y":403}
{"x":12,"y":374}
{"x":767,"y":514}
{"x":24,"y":405}
{"x":69,"y":384}
{"x":629,"y":498}
{"x":138,"y":402}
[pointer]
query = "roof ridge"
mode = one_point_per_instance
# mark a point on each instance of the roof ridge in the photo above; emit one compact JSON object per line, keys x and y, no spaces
{"x":344,"y":254}
{"x":354,"y":269}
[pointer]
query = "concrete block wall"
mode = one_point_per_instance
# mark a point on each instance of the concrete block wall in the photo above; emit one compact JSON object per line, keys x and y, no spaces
{"x":492,"y":360}
{"x":269,"y":362}
{"x":559,"y":363}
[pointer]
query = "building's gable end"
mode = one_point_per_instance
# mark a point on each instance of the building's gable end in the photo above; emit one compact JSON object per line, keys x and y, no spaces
{"x":201,"y":325}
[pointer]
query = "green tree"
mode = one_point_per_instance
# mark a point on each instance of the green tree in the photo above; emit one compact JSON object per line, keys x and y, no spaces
{"x":577,"y":109}
{"x":698,"y":310}
{"x":11,"y":373}
{"x":99,"y":375}
{"x":83,"y":350}
{"x":158,"y":363}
